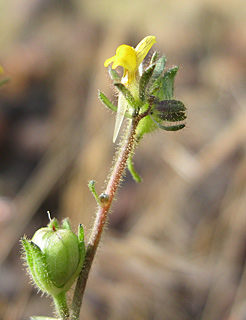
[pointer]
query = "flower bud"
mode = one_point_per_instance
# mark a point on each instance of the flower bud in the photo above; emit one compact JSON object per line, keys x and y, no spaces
{"x":54,"y":257}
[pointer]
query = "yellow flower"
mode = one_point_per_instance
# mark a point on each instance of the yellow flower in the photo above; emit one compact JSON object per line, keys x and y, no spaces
{"x":130,"y":59}
{"x":1,"y":70}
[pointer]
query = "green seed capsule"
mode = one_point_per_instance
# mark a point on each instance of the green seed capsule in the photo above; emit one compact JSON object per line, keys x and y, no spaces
{"x":61,"y":251}
{"x":55,"y":257}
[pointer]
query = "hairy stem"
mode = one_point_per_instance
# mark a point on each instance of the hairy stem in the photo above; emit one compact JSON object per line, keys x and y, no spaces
{"x":61,"y":305}
{"x":115,"y":177}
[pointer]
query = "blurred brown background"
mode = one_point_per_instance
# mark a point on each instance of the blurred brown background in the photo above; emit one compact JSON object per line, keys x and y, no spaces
{"x":175,"y":245}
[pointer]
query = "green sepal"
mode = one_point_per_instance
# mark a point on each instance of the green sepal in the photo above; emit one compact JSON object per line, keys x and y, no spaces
{"x":127,"y":95}
{"x":153,"y":58}
{"x":159,"y":69}
{"x":26,"y":244}
{"x":41,"y":272}
{"x":53,"y":224}
{"x":81,"y":234}
{"x":146,"y":125}
{"x":164,"y":86}
{"x":66,"y":224}
{"x":132,"y":170}
{"x":114,"y":74}
{"x":81,"y":250}
{"x":144,"y":80}
{"x":38,"y":267}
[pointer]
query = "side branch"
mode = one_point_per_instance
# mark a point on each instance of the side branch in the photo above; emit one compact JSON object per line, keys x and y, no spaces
{"x":101,"y":217}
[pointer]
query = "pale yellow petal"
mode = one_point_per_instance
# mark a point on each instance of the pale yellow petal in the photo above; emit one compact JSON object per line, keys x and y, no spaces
{"x":122,"y":106}
{"x":1,"y":70}
{"x":143,"y":48}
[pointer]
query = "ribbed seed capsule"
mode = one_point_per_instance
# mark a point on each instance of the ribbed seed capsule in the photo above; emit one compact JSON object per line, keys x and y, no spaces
{"x":55,"y":257}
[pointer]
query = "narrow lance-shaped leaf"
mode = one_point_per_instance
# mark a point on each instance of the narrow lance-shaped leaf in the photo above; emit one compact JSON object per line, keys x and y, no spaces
{"x":127,"y":94}
{"x":107,"y":102}
{"x":132,"y":170}
{"x":144,"y":80}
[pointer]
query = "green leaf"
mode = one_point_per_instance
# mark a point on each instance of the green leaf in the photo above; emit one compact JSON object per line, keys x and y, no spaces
{"x":107,"y":102}
{"x":144,"y":80}
{"x":127,"y":95}
{"x":91,"y":186}
{"x":169,"y":110}
{"x":159,"y":69}
{"x":132,"y":170}
{"x":169,"y":128}
{"x":164,"y":89}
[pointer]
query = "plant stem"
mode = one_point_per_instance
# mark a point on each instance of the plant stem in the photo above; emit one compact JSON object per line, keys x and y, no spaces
{"x":61,"y":305}
{"x":127,"y":147}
